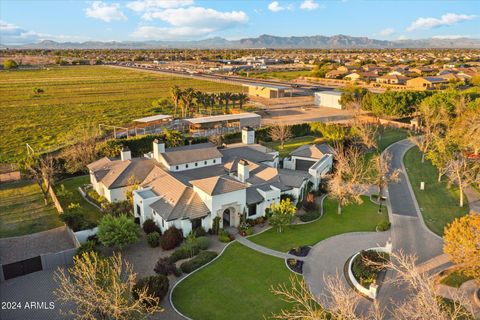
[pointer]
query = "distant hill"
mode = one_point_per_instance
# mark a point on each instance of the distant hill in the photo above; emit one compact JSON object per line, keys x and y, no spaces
{"x":263,"y":41}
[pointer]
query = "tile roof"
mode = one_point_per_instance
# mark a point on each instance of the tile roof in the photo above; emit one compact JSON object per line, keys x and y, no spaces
{"x":191,"y":153}
{"x":218,"y":185}
{"x":314,"y":151}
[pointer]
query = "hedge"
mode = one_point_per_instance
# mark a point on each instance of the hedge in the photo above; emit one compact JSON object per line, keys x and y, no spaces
{"x":201,"y":259}
{"x":157,"y":286}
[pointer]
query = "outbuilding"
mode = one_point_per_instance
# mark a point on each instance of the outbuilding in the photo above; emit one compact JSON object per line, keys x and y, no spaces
{"x":329,"y":99}
{"x":266,"y":90}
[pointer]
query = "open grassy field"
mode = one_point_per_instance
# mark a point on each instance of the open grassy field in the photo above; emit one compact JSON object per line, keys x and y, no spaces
{"x":280,"y":75}
{"x":438,"y":203}
{"x":236,"y":286}
{"x":78,"y":95}
{"x":22,"y":210}
{"x":355,"y":217}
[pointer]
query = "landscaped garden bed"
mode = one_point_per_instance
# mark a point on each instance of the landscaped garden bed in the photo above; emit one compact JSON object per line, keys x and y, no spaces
{"x":296,"y":265}
{"x":367,"y":266}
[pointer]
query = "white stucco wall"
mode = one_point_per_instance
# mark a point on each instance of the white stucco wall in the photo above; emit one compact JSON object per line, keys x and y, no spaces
{"x":191,"y":165}
{"x":115,"y":195}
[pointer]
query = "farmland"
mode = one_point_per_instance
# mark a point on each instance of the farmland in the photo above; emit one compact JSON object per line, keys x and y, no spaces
{"x":74,"y":97}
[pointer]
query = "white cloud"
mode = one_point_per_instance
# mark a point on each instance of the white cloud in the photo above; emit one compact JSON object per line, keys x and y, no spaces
{"x":15,"y":35}
{"x":275,"y":7}
{"x":386,"y":32}
{"x":445,"y":20}
{"x":191,"y":22}
{"x":450,"y":36}
{"x":148,"y":5}
{"x":309,"y":5}
{"x":403,"y":37}
{"x":199,"y":17}
{"x":106,"y":12}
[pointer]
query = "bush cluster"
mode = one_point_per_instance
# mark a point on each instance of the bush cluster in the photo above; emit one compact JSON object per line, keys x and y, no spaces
{"x":157,"y":286}
{"x":153,"y":239}
{"x":224,"y":236}
{"x":384,"y":225}
{"x":202,"y":258}
{"x":88,"y":246}
{"x":365,"y":272}
{"x":171,"y":238}
{"x":150,"y":226}
{"x":187,"y":251}
{"x":76,"y":220}
{"x":309,"y":216}
{"x":165,"y":266}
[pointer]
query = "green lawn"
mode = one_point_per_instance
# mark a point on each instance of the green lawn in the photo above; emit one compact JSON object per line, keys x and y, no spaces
{"x":390,"y":136}
{"x":236,"y":286}
{"x":72,"y":195}
{"x":281,"y":75}
{"x":455,"y":279}
{"x":438,"y":203}
{"x":363,"y":217}
{"x":22,"y":210}
{"x":75,"y":96}
{"x":292,"y":144}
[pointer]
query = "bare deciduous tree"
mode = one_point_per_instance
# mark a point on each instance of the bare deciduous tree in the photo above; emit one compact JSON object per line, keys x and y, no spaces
{"x":280,"y":132}
{"x":82,"y":153}
{"x":101,"y":288}
{"x":384,"y":175}
{"x":462,"y":173}
{"x":42,"y":170}
{"x":347,"y":183}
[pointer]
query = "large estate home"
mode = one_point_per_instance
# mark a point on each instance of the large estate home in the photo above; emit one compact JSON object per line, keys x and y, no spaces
{"x":189,"y":186}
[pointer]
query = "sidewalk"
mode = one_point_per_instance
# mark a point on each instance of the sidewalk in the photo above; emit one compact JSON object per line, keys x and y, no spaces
{"x":473,"y":197}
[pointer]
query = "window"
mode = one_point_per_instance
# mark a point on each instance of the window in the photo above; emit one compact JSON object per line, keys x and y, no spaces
{"x":252,"y":210}
{"x":186,"y":166}
{"x":205,"y":162}
{"x":139,"y":211}
{"x":163,"y":224}
{"x":214,"y":160}
{"x":176,"y":167}
{"x":196,"y":164}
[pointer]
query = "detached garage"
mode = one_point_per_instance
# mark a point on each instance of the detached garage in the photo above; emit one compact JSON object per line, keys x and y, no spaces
{"x":329,"y":99}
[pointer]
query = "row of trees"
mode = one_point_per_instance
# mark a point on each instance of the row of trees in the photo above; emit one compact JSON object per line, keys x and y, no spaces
{"x":451,"y":138}
{"x":189,"y":100}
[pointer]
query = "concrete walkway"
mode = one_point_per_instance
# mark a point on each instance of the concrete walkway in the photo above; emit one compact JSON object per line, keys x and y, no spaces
{"x":265,"y":250}
{"x":473,"y":197}
{"x":328,"y":257}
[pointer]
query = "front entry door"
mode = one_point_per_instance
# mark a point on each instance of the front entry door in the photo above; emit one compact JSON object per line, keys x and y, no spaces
{"x":226,"y":218}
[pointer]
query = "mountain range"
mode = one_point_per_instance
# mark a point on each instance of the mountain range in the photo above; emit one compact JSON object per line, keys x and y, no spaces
{"x":263,"y":41}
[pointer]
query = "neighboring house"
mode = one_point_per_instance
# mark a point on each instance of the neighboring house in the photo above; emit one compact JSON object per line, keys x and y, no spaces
{"x":329,"y":99}
{"x":189,"y":186}
{"x":392,"y":79}
{"x":335,"y":74}
{"x":427,"y":83}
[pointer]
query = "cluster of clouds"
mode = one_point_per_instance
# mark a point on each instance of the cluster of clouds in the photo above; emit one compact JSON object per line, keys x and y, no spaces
{"x":309,"y":5}
{"x":446,"y":20}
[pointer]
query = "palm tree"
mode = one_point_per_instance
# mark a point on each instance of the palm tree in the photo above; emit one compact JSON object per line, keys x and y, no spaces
{"x":176,"y":94}
{"x":234,"y":99}
{"x":187,"y":99}
{"x":227,"y":96}
{"x":242,"y":98}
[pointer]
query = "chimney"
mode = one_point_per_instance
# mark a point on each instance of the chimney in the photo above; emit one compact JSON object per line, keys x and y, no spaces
{"x":158,"y":148}
{"x":125,"y":154}
{"x":248,"y":135}
{"x":243,"y":171}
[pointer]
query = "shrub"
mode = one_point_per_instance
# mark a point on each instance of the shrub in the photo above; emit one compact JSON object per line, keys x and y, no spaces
{"x":117,"y":209}
{"x":200,"y":232}
{"x":117,"y":231}
{"x":383,"y":226}
{"x":249,"y":231}
{"x":288,"y":196}
{"x":171,"y":238}
{"x":203,"y":243}
{"x":157,"y":286}
{"x":88,"y":246}
{"x":309,"y":216}
{"x":98,"y":199}
{"x":201,"y":259}
{"x":216,"y":225}
{"x":153,"y":239}
{"x":93,"y":238}
{"x":150,"y":226}
{"x":75,"y":220}
{"x":166,"y":266}
{"x":184,"y":252}
{"x":224,"y":236}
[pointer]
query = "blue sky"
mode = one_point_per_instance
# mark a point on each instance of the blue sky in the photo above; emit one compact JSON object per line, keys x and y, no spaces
{"x":23,"y":21}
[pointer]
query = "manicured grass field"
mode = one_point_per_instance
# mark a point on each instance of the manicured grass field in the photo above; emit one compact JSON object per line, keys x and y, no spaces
{"x":72,"y":195}
{"x":455,"y":279}
{"x":292,"y":144}
{"x":22,"y":210}
{"x":236,"y":286}
{"x":281,"y":75}
{"x":362,"y":217}
{"x":75,"y":96}
{"x":438,"y":203}
{"x":389,"y":136}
